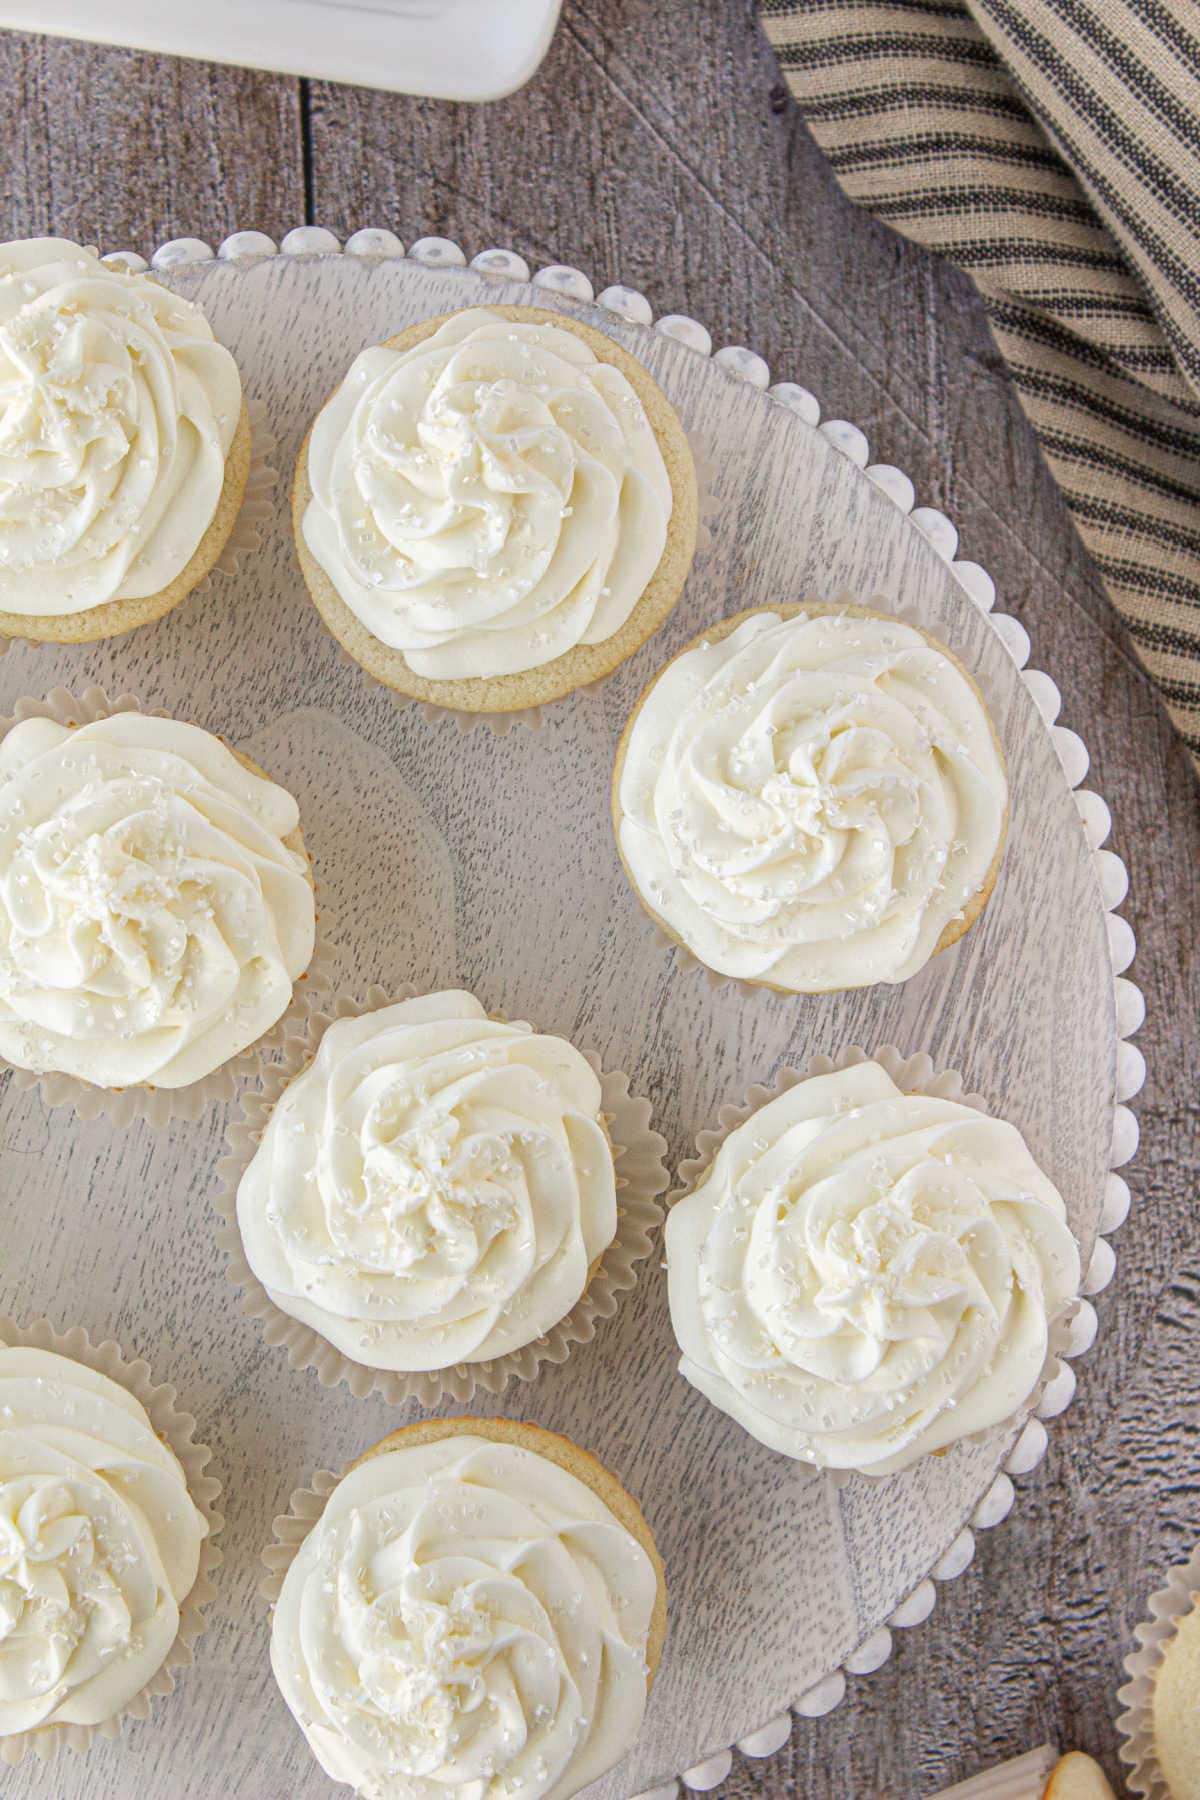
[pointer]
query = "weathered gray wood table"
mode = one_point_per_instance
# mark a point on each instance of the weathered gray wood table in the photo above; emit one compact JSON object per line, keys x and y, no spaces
{"x":657,"y":148}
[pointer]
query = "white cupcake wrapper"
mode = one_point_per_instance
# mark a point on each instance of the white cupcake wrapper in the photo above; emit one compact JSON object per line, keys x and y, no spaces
{"x":913,"y":1074}
{"x":176,"y":1429}
{"x":160,"y":1106}
{"x":532,"y":718}
{"x":290,"y":1529}
{"x":1179,"y":1595}
{"x":639,"y":1153}
{"x":1024,"y":1778}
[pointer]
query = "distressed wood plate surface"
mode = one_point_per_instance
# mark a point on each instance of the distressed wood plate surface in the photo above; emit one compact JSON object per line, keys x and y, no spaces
{"x":450,"y":857}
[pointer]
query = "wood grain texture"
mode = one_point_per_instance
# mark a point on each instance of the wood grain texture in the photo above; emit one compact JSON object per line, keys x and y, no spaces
{"x":123,"y":151}
{"x":657,"y":147}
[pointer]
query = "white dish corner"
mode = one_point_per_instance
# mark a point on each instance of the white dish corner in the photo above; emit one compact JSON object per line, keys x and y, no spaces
{"x":442,"y":49}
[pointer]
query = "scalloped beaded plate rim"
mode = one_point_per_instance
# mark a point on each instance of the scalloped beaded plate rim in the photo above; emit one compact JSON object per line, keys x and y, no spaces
{"x":572,"y":284}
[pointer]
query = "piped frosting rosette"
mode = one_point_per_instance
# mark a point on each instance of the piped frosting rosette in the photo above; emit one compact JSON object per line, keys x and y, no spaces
{"x":860,"y":1275}
{"x":465,"y":1615}
{"x":118,"y":412}
{"x":106,"y":1526}
{"x":811,"y":798}
{"x":156,"y":906}
{"x":489,"y":498}
{"x":495,"y":508}
{"x":435,"y":1199}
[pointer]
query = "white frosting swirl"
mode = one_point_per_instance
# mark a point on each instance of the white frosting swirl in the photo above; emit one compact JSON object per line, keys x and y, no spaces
{"x":152,"y":918}
{"x":117,"y":412}
{"x":99,"y":1544}
{"x":434,"y":1188}
{"x":863,"y":1275}
{"x":487,"y":499}
{"x":811,"y":802}
{"x":465,"y":1618}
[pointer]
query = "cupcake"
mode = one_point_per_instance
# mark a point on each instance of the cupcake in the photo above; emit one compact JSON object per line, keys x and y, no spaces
{"x":862,"y":1275}
{"x":435,"y":1188}
{"x":124,"y":445}
{"x":480,"y":1608}
{"x":1175,"y":1708}
{"x":811,"y":798}
{"x":156,"y":904}
{"x":494,"y":508}
{"x":1161,"y":1721}
{"x":100,"y":1549}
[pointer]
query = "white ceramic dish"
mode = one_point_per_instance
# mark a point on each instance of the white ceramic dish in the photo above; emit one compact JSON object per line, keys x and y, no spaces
{"x":447,"y":49}
{"x":490,"y":861}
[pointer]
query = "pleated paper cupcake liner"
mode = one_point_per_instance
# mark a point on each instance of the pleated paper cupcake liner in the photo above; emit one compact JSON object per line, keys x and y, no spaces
{"x":176,"y":1429}
{"x":638,"y":1153}
{"x":159,"y":1107}
{"x":1179,"y":1596}
{"x":913,"y":1074}
{"x":305,"y":1507}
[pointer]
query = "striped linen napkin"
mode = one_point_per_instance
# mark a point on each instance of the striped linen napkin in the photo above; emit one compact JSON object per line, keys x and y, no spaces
{"x":1052,"y":149}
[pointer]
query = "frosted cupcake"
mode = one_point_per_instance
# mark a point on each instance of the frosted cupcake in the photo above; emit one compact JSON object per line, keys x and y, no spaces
{"x":124,"y":445}
{"x":435,"y":1188}
{"x":1176,"y":1707}
{"x":156,"y":904}
{"x":479,"y":1609}
{"x":811,"y":798}
{"x":861,"y":1275}
{"x":100,"y":1548}
{"x":1162,"y":1698}
{"x":494,"y":508}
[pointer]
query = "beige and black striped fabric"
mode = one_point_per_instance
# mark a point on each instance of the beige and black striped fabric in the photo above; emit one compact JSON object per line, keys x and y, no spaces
{"x":1052,"y":149}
